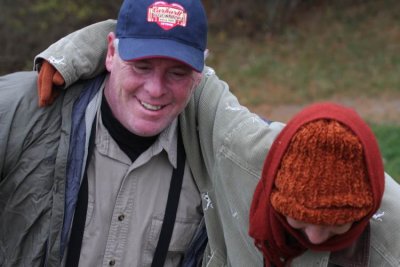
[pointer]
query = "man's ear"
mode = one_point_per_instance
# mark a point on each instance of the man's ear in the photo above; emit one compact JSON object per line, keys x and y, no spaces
{"x":197,"y":79}
{"x":111,"y":51}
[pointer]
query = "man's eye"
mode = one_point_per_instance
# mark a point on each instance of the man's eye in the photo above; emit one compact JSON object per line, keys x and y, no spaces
{"x":141,"y":67}
{"x":178,"y":74}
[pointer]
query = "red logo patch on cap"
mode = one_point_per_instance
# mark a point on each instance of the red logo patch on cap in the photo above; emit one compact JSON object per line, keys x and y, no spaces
{"x":167,"y":16}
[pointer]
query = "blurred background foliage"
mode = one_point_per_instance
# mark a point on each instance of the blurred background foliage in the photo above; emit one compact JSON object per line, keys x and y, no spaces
{"x":272,"y":52}
{"x":279,"y":30}
{"x":29,"y":26}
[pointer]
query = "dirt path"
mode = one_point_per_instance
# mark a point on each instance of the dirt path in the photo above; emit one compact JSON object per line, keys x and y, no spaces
{"x":377,"y":110}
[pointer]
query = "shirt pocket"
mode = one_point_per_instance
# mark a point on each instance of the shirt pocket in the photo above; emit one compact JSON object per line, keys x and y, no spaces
{"x":182,"y":234}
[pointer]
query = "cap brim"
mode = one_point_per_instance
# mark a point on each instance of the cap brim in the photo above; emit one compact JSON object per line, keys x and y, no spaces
{"x":132,"y":49}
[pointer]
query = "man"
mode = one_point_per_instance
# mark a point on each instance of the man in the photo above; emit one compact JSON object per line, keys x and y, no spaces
{"x":99,"y":178}
{"x":322,"y":199}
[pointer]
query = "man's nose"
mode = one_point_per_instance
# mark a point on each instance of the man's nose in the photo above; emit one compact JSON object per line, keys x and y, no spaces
{"x":155,"y":86}
{"x":317,"y":234}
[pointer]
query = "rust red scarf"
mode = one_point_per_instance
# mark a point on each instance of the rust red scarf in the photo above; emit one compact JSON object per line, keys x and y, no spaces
{"x":280,"y":243}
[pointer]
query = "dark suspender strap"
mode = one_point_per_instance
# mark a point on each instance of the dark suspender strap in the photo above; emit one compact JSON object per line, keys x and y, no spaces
{"x":78,"y":225}
{"x":172,"y":206}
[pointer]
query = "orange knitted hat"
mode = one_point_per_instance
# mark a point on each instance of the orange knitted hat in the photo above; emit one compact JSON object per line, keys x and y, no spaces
{"x":323,"y":178}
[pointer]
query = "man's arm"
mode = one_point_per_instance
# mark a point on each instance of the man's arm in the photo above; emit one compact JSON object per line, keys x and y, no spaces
{"x":79,"y":55}
{"x":225,"y":145}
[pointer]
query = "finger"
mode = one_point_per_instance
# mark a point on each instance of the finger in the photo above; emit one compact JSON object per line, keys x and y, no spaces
{"x":58,"y":79}
{"x":45,"y":83}
{"x":39,"y":85}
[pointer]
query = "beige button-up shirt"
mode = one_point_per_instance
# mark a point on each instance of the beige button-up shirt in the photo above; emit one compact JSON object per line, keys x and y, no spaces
{"x":127,"y":201}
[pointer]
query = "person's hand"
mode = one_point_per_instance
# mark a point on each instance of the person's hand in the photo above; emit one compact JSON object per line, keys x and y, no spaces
{"x":48,"y":80}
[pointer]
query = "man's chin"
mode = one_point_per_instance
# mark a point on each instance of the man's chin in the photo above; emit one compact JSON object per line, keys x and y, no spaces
{"x":147,"y":130}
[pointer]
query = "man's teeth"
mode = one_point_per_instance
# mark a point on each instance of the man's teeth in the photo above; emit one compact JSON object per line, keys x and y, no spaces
{"x":150,"y":107}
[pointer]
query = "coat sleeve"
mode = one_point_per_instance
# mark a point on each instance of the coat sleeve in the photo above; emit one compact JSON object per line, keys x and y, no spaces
{"x":81,"y":54}
{"x":31,"y":197}
{"x":226,"y":146}
{"x":229,"y":129}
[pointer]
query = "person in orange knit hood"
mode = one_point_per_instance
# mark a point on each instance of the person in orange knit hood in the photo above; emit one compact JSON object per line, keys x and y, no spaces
{"x":320,"y":193}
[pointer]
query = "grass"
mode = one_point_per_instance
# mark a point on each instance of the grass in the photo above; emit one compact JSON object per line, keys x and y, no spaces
{"x":389,"y":142}
{"x":333,"y":50}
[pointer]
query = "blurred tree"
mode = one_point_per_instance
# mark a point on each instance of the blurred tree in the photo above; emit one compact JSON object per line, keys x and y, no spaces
{"x":249,"y":18}
{"x":29,"y":26}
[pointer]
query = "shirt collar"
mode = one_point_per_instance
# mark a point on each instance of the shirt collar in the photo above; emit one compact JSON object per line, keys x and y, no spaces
{"x":167,"y":141}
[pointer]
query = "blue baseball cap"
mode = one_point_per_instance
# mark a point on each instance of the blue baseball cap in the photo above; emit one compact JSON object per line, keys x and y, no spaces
{"x":153,"y":29}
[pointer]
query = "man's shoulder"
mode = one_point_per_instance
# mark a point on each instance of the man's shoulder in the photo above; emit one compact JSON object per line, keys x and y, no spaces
{"x":18,"y":75}
{"x":17,"y":87}
{"x":19,"y":99}
{"x":18,"y":82}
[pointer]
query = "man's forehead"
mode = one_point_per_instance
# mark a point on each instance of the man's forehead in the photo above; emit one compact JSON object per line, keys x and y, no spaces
{"x":165,"y":61}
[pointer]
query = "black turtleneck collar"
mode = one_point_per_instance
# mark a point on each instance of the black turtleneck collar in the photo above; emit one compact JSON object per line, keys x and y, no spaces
{"x":132,"y":144}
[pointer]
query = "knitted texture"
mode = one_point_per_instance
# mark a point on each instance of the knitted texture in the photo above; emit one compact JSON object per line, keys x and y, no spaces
{"x":300,"y":185}
{"x":323,"y":178}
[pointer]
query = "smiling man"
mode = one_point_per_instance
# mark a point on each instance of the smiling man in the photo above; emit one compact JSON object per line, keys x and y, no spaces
{"x":152,"y":162}
{"x":153,"y":90}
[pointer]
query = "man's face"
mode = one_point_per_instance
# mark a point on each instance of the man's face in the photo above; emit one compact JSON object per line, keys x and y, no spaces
{"x":318,"y":234}
{"x":147,"y":95}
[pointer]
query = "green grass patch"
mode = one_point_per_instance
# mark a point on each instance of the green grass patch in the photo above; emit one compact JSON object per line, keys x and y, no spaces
{"x":389,"y":142}
{"x":329,"y":51}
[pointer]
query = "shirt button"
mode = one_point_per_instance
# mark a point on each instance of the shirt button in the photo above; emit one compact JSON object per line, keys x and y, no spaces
{"x":111,"y":262}
{"x":121,"y":217}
